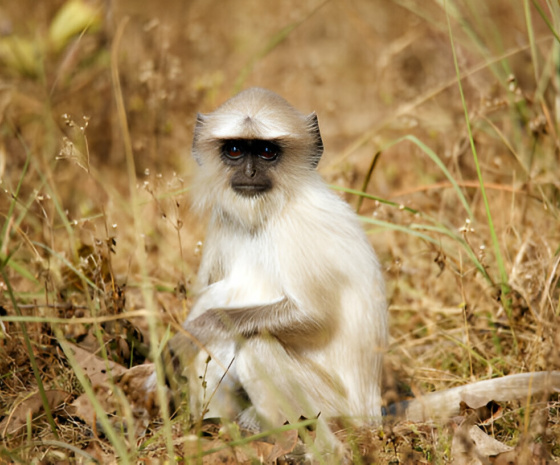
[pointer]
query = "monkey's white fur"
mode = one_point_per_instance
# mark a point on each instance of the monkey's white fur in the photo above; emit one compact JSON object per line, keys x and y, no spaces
{"x":299,"y":241}
{"x":296,"y":253}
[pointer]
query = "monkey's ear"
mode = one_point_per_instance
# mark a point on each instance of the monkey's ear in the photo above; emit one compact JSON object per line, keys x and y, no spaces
{"x":200,"y":120}
{"x":313,"y":128}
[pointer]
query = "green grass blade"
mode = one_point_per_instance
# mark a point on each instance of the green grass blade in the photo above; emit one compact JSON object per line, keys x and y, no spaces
{"x":505,"y":289}
{"x":373,"y":197}
{"x":546,"y":20}
{"x":437,"y":160}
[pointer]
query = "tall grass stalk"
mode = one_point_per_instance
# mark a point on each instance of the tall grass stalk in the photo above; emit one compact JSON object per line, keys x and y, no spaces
{"x":5,"y":259}
{"x":146,"y":289}
{"x":531,"y":35}
{"x":504,"y":287}
{"x":554,"y":9}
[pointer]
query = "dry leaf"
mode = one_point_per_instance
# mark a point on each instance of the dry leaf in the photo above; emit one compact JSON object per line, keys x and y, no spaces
{"x":83,"y":408}
{"x":487,"y":445}
{"x":246,"y":454}
{"x":96,"y":368}
{"x":99,"y":371}
{"x":99,"y":454}
{"x":472,"y":446}
{"x":31,"y":406}
{"x":285,"y":443}
{"x":133,"y":384}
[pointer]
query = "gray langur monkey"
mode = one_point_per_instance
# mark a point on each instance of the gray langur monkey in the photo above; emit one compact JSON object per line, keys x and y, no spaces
{"x":291,"y":305}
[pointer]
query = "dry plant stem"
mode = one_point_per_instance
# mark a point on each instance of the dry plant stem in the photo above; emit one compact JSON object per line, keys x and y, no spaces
{"x":474,"y":184}
{"x":146,"y":289}
{"x":367,"y":179}
{"x":64,"y":445}
{"x":546,"y":299}
{"x":108,"y":429}
{"x":29,"y":348}
{"x":464,"y":312}
{"x":73,"y":321}
{"x":504,"y":287}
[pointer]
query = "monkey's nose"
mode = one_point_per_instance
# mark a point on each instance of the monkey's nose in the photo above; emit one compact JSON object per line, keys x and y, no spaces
{"x":250,"y":171}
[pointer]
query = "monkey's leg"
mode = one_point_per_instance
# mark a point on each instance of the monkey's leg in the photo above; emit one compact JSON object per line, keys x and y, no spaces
{"x":214,"y":387}
{"x":203,"y":377}
{"x":284,"y":387}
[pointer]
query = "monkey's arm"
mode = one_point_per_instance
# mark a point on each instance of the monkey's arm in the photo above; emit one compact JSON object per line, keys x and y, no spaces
{"x":281,"y":319}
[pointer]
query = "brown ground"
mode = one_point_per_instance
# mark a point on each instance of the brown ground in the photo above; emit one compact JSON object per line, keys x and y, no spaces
{"x":87,"y":231}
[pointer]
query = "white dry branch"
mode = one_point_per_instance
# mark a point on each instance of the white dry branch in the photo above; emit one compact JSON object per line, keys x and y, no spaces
{"x":447,"y":403}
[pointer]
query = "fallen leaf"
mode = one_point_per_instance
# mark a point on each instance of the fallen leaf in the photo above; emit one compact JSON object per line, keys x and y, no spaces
{"x":285,"y":443}
{"x":32,"y":405}
{"x":82,"y":408}
{"x":134,"y":384}
{"x":98,"y":370}
{"x":247,"y":454}
{"x":472,"y":446}
{"x":487,"y":445}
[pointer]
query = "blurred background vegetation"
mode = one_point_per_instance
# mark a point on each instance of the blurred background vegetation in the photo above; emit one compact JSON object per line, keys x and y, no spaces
{"x":97,"y":105}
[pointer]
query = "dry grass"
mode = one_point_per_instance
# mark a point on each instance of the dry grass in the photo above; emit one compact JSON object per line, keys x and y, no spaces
{"x":95,"y":130}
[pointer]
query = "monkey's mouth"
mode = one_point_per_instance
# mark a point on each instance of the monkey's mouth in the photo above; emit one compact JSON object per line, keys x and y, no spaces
{"x":251,"y":190}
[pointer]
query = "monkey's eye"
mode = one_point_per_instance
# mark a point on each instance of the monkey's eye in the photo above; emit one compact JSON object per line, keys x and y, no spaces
{"x":268,"y":152}
{"x":232,"y":151}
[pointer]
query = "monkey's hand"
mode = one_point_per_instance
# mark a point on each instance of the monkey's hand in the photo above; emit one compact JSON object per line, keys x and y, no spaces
{"x":179,"y":354}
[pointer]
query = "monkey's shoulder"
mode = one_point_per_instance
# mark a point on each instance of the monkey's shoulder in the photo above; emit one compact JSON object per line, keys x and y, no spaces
{"x":322,"y":212}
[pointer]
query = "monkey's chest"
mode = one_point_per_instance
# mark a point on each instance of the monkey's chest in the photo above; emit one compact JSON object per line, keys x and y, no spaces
{"x":250,"y":282}
{"x":248,"y":272}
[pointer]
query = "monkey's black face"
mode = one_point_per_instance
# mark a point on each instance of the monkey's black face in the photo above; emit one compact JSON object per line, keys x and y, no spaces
{"x":250,"y":160}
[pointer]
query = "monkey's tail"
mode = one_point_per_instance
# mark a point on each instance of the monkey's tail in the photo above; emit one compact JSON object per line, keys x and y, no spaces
{"x":447,"y":403}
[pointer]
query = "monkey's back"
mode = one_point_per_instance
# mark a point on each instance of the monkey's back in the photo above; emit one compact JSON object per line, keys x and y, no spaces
{"x":333,"y":271}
